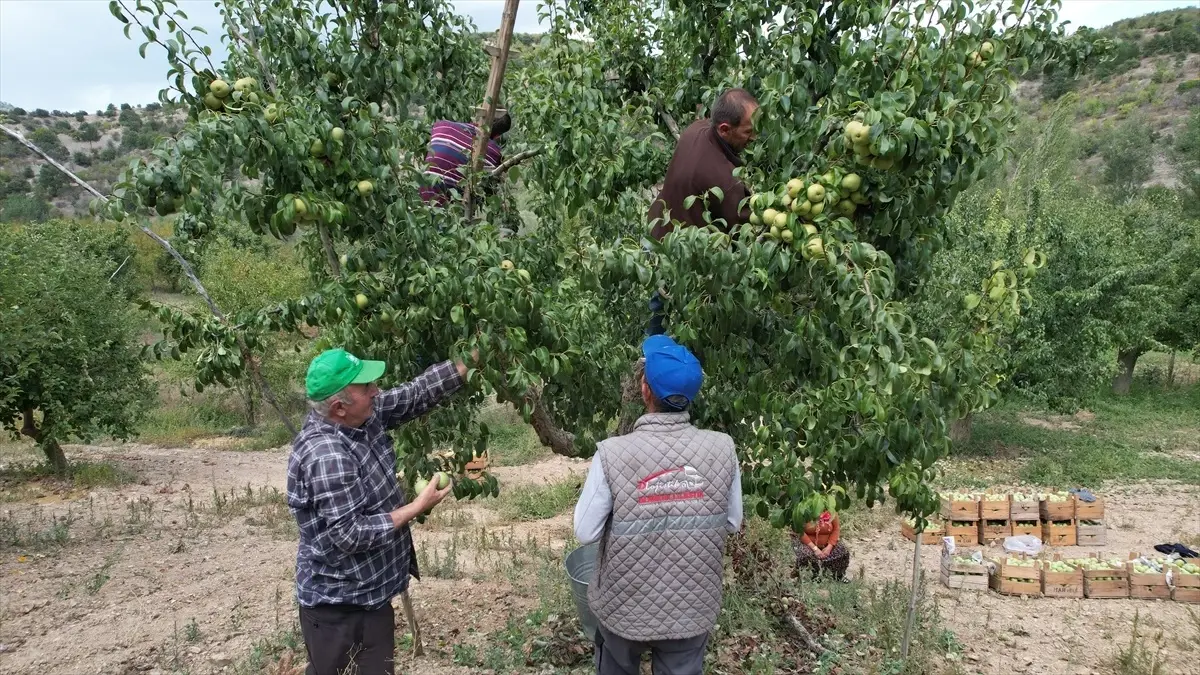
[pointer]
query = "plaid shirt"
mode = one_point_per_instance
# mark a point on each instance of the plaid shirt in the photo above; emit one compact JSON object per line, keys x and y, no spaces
{"x":341,"y":487}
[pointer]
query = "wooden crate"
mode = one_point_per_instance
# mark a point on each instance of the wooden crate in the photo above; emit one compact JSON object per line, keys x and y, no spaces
{"x":1058,"y":533}
{"x":966,"y":577}
{"x":1106,"y":583}
{"x":994,"y":530}
{"x":960,"y":510}
{"x":1186,"y":594}
{"x":1150,"y":585}
{"x":993,"y":509}
{"x":932,"y":535}
{"x":1030,"y":527}
{"x":1061,"y":584}
{"x":1090,"y":535}
{"x":1026,"y":510}
{"x":1049,"y":510}
{"x":1015,"y":579}
{"x":964,"y":533}
{"x":1186,"y":586}
{"x":1089,"y":510}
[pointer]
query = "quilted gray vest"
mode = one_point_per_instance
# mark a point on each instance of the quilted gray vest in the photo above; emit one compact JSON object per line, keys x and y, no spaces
{"x":660,"y":562}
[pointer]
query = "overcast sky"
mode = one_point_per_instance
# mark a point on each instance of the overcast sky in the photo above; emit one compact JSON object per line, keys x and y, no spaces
{"x":71,"y":54}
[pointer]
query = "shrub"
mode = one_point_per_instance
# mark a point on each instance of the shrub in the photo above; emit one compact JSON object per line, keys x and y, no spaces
{"x":1128,"y":156}
{"x":244,"y":279}
{"x":129,"y":119}
{"x":82,"y":158}
{"x":18,"y":112}
{"x":87,"y":133}
{"x":11,"y":184}
{"x":47,"y":140}
{"x":23,"y":209}
{"x":1187,"y":85}
{"x":1093,"y":107}
{"x":50,"y":182}
{"x":41,"y":112}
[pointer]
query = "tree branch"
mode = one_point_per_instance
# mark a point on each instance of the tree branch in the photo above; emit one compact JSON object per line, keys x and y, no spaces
{"x":330,"y":253}
{"x":252,"y":45}
{"x":801,"y":632}
{"x":247,"y":355}
{"x":133,"y":15}
{"x":672,"y":125}
{"x":514,"y":160}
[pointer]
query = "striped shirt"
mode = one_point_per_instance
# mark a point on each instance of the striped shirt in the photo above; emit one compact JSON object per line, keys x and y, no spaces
{"x":341,"y":488}
{"x":450,"y":145}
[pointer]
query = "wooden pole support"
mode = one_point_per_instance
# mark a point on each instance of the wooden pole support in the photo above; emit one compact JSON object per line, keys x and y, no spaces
{"x":411,"y":618}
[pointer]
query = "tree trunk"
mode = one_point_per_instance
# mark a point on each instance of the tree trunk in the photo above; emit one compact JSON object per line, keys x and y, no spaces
{"x":560,"y":441}
{"x":251,"y":404}
{"x":54,"y":452}
{"x":1126,"y":361}
{"x":960,"y":430}
{"x":1171,"y":370}
{"x":55,"y":455}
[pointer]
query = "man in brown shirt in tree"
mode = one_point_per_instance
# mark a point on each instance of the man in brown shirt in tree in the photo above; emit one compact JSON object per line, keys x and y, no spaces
{"x":705,"y":157}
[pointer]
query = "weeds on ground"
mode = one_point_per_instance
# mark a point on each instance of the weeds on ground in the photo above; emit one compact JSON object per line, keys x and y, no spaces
{"x":1148,"y":434}
{"x":19,"y":478}
{"x":771,"y":618}
{"x":101,"y":577}
{"x":537,"y":503}
{"x":511,"y":442}
{"x":1140,"y":656}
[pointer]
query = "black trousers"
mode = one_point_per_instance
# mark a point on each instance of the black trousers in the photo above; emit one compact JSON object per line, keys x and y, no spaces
{"x":617,"y":656}
{"x":349,"y":640}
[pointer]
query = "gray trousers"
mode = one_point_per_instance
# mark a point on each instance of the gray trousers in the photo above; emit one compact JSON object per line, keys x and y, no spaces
{"x":617,"y":656}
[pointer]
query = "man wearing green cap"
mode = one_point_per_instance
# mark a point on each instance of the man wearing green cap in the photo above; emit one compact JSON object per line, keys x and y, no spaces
{"x":356,"y":552}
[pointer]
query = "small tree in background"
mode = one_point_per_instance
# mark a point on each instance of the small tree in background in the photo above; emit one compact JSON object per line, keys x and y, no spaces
{"x":70,"y":366}
{"x":1128,"y":152}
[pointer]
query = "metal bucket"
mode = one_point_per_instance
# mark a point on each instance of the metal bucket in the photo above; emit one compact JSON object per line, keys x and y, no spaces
{"x":581,"y":563}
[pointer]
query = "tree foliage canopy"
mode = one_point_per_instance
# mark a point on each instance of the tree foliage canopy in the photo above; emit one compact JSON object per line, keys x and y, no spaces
{"x":812,"y":357}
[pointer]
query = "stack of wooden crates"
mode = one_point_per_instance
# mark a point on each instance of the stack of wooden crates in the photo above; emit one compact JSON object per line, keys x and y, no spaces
{"x":1058,"y":521}
{"x":994,"y":524}
{"x":961,"y":520}
{"x":1090,"y":525}
{"x":1026,"y":516}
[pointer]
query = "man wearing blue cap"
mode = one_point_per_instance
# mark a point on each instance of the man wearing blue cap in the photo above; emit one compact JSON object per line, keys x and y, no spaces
{"x":356,"y":551}
{"x":661,"y":501}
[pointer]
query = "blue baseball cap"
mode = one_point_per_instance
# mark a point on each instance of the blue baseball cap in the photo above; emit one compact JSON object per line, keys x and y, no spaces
{"x":672,"y":371}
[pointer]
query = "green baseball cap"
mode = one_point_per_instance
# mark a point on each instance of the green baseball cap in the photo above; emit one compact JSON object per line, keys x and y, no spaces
{"x":334,"y":369}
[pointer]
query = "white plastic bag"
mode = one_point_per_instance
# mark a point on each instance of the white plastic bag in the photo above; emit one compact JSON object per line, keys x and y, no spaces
{"x":1023,"y":543}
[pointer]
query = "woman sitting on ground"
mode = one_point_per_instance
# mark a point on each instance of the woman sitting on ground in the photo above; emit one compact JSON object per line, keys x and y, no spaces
{"x":818,"y":549}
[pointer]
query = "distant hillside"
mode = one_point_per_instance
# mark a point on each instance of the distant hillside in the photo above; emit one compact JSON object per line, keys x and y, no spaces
{"x":95,"y":146}
{"x":1151,"y":85}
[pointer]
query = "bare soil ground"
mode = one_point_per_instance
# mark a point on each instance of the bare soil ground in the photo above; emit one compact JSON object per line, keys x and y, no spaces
{"x":1004,"y":634}
{"x":190,"y":568}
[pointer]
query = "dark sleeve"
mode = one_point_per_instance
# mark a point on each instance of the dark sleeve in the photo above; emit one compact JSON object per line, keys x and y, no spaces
{"x":415,"y":398}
